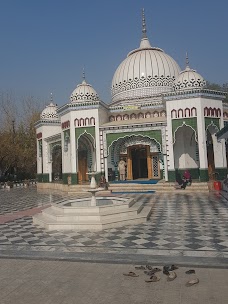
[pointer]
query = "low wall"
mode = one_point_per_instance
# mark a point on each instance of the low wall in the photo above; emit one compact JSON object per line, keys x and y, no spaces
{"x":62,"y":187}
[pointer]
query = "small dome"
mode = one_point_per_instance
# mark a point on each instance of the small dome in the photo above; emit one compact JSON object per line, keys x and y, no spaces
{"x":84,"y":92}
{"x":189,"y":79}
{"x":50,"y":112}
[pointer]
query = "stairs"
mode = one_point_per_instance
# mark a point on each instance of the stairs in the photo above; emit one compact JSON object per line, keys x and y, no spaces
{"x":161,"y":186}
{"x":125,"y":187}
{"x":69,"y":216}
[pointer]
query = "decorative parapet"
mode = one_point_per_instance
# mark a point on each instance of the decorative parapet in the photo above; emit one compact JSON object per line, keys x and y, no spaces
{"x":193,"y":93}
{"x":66,"y":124}
{"x":43,"y":122}
{"x":86,"y":105}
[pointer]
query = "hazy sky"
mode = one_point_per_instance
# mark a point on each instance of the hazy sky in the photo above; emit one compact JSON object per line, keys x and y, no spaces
{"x":44,"y":44}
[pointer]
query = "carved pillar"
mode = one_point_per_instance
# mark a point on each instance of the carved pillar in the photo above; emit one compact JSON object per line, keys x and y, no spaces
{"x":149,"y":162}
{"x":129,"y":164}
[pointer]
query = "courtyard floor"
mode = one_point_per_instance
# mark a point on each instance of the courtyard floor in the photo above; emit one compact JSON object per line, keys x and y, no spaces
{"x":186,"y":229}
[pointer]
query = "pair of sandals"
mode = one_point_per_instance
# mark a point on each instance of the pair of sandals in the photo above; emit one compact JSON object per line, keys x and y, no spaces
{"x":193,"y":281}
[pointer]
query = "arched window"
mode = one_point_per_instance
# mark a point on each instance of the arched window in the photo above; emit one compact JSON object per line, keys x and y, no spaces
{"x":180,"y":113}
{"x":133,"y":116}
{"x":126,"y":117}
{"x":206,"y":111}
{"x":92,"y":121}
{"x":82,"y":123}
{"x":193,"y":111}
{"x":87,"y":121}
{"x":187,"y":112}
{"x":211,"y":112}
{"x":112,"y":118}
{"x":173,"y":114}
{"x":76,"y":122}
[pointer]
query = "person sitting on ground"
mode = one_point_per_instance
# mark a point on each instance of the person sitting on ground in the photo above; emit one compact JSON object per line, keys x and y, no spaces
{"x":187,"y":177}
{"x":103,"y":183}
{"x":180,"y":183}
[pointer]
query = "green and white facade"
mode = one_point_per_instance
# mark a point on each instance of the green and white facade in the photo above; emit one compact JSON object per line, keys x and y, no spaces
{"x":160,"y":119}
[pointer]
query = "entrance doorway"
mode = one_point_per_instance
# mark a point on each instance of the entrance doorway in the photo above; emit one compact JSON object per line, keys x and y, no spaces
{"x":210,"y":156}
{"x":56,"y":163}
{"x":82,"y":166}
{"x":139,"y":162}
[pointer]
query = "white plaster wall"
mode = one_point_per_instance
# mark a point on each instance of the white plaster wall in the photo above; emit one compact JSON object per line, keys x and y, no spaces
{"x":103,"y":115}
{"x":67,"y":158}
{"x":47,"y":131}
{"x":219,"y":149}
{"x":39,"y":158}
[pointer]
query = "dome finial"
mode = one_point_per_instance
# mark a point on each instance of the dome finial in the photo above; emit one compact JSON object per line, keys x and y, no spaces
{"x":144,"y":41}
{"x":83,"y":75}
{"x":143,"y":24}
{"x":51,"y":100}
{"x":187,"y":61}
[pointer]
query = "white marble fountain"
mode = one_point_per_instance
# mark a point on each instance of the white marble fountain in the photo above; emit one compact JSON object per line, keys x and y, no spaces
{"x":92,"y":213}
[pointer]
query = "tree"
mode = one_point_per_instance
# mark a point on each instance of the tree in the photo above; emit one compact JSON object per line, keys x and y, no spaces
{"x":18,"y":136}
{"x":218,"y":87}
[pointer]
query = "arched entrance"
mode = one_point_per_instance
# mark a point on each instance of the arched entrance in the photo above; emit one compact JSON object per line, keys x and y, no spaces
{"x":185,"y":148}
{"x":210,"y":155}
{"x":56,"y":157}
{"x":138,"y":161}
{"x":141,"y":154}
{"x":86,"y":158}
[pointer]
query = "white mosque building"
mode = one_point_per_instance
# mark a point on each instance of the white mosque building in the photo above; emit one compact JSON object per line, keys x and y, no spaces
{"x":160,"y":119}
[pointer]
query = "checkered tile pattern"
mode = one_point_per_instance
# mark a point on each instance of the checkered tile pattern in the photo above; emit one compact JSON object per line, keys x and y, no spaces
{"x":18,"y":199}
{"x":179,"y":221}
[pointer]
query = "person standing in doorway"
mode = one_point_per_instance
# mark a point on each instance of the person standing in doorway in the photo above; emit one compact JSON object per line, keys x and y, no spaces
{"x":122,"y":169}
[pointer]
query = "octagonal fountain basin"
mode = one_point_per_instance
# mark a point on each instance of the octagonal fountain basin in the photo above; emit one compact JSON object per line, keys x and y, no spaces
{"x":81,"y":214}
{"x":100,"y":201}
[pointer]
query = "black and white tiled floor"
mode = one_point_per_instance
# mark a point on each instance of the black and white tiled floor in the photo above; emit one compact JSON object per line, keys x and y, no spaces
{"x":179,"y":221}
{"x":19,"y":199}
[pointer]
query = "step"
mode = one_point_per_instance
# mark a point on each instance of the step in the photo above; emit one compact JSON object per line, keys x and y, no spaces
{"x":54,"y":215}
{"x":93,"y":226}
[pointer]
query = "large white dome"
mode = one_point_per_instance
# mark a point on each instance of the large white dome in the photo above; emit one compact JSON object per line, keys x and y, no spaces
{"x":146,"y":71}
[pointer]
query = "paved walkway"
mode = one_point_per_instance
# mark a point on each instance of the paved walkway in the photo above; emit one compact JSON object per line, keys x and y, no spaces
{"x":64,"y":282}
